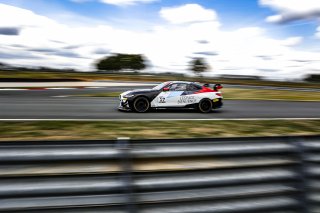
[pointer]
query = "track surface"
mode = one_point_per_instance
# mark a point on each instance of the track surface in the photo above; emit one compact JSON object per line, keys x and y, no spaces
{"x":51,"y":104}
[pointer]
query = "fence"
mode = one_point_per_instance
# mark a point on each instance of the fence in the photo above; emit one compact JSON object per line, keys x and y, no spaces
{"x":222,"y":175}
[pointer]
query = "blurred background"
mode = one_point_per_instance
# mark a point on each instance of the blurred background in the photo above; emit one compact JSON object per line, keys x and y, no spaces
{"x":66,"y":148}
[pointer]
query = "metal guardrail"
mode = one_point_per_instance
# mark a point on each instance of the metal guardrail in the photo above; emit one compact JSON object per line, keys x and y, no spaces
{"x":224,"y":175}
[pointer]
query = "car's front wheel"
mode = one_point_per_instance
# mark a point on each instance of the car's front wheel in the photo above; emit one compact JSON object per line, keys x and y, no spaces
{"x":205,"y":105}
{"x":141,"y":104}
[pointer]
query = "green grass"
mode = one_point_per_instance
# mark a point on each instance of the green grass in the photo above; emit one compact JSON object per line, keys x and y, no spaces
{"x":76,"y":130}
{"x":248,"y":94}
{"x":265,"y":94}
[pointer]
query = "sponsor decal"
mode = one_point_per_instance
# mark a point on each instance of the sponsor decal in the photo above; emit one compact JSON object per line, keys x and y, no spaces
{"x":187,"y":100}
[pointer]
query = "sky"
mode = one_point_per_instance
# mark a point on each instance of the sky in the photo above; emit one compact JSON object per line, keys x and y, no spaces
{"x":275,"y":39}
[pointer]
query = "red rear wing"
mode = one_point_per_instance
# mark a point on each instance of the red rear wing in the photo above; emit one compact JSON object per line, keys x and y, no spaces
{"x":215,"y":87}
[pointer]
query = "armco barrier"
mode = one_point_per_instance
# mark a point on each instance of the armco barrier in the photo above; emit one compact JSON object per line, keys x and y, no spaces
{"x":220,"y":175}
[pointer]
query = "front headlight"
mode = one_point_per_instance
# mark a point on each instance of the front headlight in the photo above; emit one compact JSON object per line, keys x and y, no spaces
{"x":128,"y":96}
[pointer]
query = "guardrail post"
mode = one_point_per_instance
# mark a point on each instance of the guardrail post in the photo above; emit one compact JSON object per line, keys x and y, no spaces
{"x":123,"y":145}
{"x":302,"y":185}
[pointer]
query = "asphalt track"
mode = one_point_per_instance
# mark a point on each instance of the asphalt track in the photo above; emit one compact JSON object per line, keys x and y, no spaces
{"x":57,"y":104}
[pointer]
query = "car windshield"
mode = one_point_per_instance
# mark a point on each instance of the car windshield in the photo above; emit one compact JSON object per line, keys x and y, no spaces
{"x":160,"y":86}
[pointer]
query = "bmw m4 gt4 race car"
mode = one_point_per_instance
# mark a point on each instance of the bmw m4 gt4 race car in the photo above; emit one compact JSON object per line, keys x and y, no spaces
{"x":173,"y":94}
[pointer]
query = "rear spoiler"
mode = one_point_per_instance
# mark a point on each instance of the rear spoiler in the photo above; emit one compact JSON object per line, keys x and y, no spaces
{"x":215,"y":86}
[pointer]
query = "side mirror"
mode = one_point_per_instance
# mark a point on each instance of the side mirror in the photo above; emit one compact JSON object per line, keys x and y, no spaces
{"x":166,"y":89}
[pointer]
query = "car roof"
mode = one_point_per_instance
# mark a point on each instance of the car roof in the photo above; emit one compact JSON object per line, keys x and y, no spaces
{"x":185,"y":82}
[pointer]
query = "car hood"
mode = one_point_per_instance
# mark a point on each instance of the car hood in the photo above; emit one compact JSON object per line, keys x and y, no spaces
{"x":138,"y":91}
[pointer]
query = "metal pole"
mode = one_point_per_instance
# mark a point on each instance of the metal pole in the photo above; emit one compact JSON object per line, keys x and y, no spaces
{"x":302,"y":185}
{"x":123,"y":145}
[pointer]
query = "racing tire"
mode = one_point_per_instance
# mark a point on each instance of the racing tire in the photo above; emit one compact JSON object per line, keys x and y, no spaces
{"x":205,"y":106}
{"x":141,"y":104}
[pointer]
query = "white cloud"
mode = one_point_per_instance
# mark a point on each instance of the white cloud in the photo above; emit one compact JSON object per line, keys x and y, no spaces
{"x":169,"y":47}
{"x":187,"y":14}
{"x":26,"y":17}
{"x":289,"y":10}
{"x":126,"y":2}
{"x":292,"y":41}
{"x":118,"y":2}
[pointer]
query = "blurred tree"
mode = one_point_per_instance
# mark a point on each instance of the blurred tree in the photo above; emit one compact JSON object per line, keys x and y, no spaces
{"x":315,"y":78}
{"x":198,"y":66}
{"x":119,"y":62}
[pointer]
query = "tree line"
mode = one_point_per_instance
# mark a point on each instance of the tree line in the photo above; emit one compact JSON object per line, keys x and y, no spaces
{"x":137,"y":62}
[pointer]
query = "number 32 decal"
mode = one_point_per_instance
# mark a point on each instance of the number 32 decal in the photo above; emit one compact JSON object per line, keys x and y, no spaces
{"x":162,"y":99}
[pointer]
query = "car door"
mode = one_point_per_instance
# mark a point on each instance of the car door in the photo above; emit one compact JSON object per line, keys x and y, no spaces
{"x":189,"y":97}
{"x":171,"y":97}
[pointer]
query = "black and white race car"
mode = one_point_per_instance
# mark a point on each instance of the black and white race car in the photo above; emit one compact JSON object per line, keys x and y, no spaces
{"x":173,"y":94}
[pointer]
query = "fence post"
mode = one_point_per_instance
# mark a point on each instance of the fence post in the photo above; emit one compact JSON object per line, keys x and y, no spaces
{"x":302,"y":185}
{"x":123,"y":145}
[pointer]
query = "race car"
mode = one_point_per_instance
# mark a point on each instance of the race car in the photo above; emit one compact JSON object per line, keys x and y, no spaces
{"x":173,"y":94}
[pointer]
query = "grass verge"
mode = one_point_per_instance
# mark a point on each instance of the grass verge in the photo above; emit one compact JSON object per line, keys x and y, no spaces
{"x":76,"y":130}
{"x":248,"y":94}
{"x":264,"y":94}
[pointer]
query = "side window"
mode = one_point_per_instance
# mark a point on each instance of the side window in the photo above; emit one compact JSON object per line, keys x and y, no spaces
{"x":193,"y":87}
{"x":178,"y":87}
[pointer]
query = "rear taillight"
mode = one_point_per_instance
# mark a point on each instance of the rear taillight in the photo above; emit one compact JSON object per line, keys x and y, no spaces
{"x":218,"y":94}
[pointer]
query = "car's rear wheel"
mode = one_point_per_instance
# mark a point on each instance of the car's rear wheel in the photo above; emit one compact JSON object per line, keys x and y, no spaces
{"x":141,"y":104}
{"x":205,"y":105}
